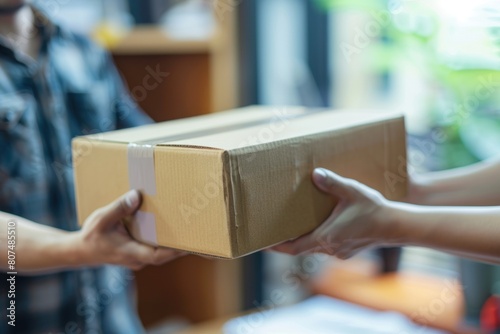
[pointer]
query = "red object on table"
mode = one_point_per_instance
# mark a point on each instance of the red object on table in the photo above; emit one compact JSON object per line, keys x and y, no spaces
{"x":490,"y":315}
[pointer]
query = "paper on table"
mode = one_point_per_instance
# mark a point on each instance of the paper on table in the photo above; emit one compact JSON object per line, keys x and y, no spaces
{"x":321,"y":315}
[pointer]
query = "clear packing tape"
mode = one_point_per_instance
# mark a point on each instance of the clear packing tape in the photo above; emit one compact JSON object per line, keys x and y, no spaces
{"x":141,"y":176}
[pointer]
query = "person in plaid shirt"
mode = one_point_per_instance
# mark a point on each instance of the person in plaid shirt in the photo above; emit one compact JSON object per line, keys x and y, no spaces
{"x":55,"y":85}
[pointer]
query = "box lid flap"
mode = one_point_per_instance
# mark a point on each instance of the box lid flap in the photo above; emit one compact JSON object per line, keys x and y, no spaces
{"x":250,"y":126}
{"x":276,"y":129}
{"x":193,"y":126}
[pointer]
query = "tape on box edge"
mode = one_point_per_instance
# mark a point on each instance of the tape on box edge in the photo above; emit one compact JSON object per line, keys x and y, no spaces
{"x":141,"y":176}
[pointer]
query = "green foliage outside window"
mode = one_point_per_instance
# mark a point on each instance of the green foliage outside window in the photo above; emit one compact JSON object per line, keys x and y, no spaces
{"x":456,"y":44}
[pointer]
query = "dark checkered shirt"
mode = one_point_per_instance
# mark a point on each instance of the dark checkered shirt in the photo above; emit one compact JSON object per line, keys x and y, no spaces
{"x":72,"y":89}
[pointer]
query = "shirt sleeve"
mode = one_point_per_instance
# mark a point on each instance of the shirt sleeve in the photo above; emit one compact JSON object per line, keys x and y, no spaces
{"x":128,"y":113}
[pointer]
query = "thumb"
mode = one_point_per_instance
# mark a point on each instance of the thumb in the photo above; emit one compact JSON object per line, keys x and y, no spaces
{"x":122,"y":207}
{"x":332,"y":183}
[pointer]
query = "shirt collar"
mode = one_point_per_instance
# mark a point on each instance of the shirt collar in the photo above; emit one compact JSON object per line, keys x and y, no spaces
{"x":43,"y":26}
{"x":46,"y":27}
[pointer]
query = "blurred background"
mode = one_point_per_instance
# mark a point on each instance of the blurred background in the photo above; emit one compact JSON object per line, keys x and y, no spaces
{"x":436,"y":61}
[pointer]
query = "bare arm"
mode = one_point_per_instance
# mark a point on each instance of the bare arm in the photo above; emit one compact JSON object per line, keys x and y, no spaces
{"x":363,"y":218}
{"x":475,"y":185}
{"x":102,"y":240}
{"x":37,"y":247}
{"x":472,"y":232}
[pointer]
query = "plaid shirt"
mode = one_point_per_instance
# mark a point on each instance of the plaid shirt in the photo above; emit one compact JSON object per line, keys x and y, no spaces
{"x":72,"y":89}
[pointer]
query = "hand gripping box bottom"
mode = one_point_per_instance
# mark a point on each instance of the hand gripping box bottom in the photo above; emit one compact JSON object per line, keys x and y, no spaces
{"x":231,"y":183}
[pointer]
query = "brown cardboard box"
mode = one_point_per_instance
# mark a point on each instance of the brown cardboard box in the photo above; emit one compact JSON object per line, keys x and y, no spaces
{"x":231,"y":183}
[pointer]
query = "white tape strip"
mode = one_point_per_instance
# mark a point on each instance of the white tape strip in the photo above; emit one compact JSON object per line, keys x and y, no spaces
{"x":141,"y":176}
{"x":141,"y":168}
{"x":143,"y":227}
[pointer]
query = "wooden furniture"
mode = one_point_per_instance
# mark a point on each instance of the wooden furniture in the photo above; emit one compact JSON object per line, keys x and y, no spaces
{"x":209,"y":327}
{"x":202,"y":78}
{"x":432,"y":301}
{"x":194,"y":288}
{"x":203,"y":74}
{"x":184,"y":92}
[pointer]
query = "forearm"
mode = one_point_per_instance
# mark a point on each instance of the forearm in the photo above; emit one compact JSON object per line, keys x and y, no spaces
{"x":38,"y":248}
{"x":472,"y":232}
{"x":474,"y":185}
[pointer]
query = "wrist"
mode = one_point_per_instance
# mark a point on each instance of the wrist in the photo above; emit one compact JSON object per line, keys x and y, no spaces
{"x":399,"y":231}
{"x":73,"y":250}
{"x":418,"y":190}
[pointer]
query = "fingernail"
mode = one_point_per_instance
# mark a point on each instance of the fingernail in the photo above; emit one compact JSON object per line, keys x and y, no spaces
{"x":321,"y":174}
{"x":132,"y":199}
{"x":323,"y":178}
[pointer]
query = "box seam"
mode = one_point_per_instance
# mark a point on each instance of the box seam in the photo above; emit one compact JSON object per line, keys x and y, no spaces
{"x":230,"y":202}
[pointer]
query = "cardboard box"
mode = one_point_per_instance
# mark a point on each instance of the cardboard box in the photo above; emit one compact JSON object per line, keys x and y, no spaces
{"x":231,"y":183}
